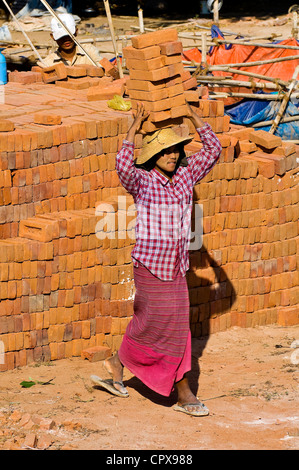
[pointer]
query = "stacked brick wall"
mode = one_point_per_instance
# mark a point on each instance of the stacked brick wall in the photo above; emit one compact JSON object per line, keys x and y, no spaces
{"x":66,"y":272}
{"x":246,"y":272}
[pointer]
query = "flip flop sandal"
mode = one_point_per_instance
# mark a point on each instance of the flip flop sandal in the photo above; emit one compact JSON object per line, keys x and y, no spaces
{"x":201,"y":410}
{"x":108,"y":384}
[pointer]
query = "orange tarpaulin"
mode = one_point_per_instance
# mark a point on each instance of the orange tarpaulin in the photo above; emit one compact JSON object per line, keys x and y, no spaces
{"x":238,"y":53}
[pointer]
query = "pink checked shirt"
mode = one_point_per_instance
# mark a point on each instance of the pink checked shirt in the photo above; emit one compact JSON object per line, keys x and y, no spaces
{"x":164,"y":208}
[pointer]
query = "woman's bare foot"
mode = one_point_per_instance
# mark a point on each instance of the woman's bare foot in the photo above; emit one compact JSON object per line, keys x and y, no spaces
{"x":115,"y":368}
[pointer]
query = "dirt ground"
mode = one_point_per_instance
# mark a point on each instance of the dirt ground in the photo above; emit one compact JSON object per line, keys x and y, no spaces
{"x":248,"y":378}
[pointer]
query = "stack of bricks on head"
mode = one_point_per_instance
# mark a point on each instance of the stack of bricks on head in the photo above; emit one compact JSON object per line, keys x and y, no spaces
{"x":159,"y":80}
{"x":67,"y":292}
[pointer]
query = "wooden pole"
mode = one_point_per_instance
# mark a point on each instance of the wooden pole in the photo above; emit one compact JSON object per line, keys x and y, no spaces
{"x":284,"y":102}
{"x":243,"y":43}
{"x":248,"y":64}
{"x":295,"y":25}
{"x":109,"y":17}
{"x":254,"y":75}
{"x":223,"y":81}
{"x":216,"y":12}
{"x":269,"y":123}
{"x":140,"y":17}
{"x":253,"y":96}
{"x":204,"y":49}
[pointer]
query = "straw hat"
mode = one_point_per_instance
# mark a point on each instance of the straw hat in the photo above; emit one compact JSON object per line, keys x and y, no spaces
{"x":158,"y":141}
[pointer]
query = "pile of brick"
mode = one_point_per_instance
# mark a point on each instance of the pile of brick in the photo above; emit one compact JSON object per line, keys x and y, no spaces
{"x":25,"y":431}
{"x":105,"y":78}
{"x":65,"y":289}
{"x":158,"y":79}
{"x":246,"y":273}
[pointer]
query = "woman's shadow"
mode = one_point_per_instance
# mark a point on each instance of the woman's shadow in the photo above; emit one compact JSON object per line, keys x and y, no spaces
{"x":222,"y":286}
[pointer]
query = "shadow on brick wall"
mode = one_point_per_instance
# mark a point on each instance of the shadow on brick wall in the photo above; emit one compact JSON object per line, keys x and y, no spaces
{"x":218,"y":297}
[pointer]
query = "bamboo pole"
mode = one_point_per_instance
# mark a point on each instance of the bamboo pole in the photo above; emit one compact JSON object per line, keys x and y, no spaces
{"x":253,"y":96}
{"x":216,"y":12}
{"x":24,"y":32}
{"x":248,"y":64}
{"x":269,"y":123}
{"x":204,"y":49}
{"x":270,"y":46}
{"x":250,"y":74}
{"x":295,"y":25}
{"x":109,"y":17}
{"x":223,"y":81}
{"x":140,"y":18}
{"x":285,"y":101}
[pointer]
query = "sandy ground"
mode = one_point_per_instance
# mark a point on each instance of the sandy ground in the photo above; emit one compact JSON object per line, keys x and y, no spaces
{"x":248,"y":378}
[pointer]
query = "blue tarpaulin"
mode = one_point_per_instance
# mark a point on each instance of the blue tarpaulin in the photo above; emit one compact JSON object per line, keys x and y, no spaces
{"x":249,"y":112}
{"x":36,"y":8}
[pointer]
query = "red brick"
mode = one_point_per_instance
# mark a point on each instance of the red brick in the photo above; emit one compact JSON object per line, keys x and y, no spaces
{"x":171,"y":48}
{"x":179,"y":111}
{"x":154,"y":38}
{"x":54,"y":73}
{"x":157,"y":95}
{"x":93,"y":71}
{"x":265,"y":139}
{"x":76,"y":71}
{"x":191,"y":95}
{"x":143,"y":85}
{"x":149,"y":64}
{"x":190,"y":83}
{"x":288,"y":316}
{"x":39,"y":229}
{"x":96,"y":353}
{"x":109,"y":68}
{"x":6,"y":126}
{"x":47,"y":119}
{"x":155,"y":106}
{"x":266,"y":167}
{"x":141,"y":54}
{"x":106,"y":93}
{"x":279,"y":161}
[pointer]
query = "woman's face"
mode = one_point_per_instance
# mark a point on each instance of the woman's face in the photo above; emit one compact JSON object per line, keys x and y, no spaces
{"x":167,"y":160}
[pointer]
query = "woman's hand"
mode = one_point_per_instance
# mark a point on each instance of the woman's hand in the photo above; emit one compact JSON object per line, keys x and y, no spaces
{"x":139,"y":116}
{"x":195,"y":118}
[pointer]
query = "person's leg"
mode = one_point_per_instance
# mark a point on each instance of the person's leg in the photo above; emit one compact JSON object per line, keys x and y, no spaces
{"x":187,"y":400}
{"x":116,"y":370}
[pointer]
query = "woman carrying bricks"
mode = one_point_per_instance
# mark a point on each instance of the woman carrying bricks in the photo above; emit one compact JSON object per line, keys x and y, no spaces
{"x":157,"y":345}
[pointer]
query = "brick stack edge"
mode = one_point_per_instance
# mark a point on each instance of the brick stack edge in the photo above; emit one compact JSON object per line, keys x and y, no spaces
{"x":63,"y":289}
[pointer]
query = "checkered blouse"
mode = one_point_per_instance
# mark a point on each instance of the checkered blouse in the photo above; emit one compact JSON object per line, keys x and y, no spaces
{"x":163,"y":225}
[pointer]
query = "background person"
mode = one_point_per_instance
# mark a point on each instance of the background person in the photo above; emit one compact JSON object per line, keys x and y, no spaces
{"x":68,"y":52}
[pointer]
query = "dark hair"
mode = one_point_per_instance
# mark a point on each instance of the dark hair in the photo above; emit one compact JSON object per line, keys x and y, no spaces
{"x":150,"y":164}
